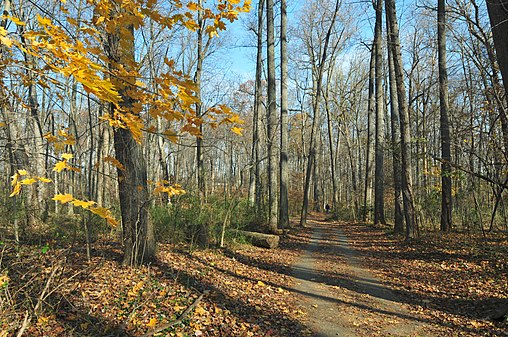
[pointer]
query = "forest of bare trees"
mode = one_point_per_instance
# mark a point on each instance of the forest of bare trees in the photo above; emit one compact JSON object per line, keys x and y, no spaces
{"x":391,"y":113}
{"x":147,"y":145}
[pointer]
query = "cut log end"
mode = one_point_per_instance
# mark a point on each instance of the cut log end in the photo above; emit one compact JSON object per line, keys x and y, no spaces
{"x":269,"y":241}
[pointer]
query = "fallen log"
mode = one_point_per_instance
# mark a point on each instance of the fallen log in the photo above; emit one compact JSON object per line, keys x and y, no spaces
{"x":260,"y":239}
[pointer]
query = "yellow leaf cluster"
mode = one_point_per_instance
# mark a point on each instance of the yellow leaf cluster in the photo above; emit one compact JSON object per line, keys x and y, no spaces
{"x":64,"y":164}
{"x":63,"y":198}
{"x":172,"y":98}
{"x":152,"y":323}
{"x":60,"y":140}
{"x":17,"y":182}
{"x":135,"y":290}
{"x":105,"y":214}
{"x":4,"y":39}
{"x":88,"y":205}
{"x":165,"y":187}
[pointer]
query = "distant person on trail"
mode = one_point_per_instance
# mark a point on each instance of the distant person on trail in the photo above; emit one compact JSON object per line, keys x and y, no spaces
{"x":327,"y":208}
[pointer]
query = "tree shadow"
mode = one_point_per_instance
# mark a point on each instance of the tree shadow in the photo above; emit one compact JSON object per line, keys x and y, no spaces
{"x":370,"y":286}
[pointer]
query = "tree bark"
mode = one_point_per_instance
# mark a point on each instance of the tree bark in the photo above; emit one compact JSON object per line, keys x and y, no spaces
{"x":379,"y":181}
{"x":369,"y":156}
{"x":498,"y":14}
{"x":255,"y":182}
{"x":283,"y":164}
{"x":446,"y":179}
{"x":271,"y":118}
{"x":407,"y":189}
{"x":395,"y":134}
{"x":203,"y":232}
{"x":138,"y":233}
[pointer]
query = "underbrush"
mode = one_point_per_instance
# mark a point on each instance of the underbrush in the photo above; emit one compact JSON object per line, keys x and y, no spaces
{"x":184,"y":218}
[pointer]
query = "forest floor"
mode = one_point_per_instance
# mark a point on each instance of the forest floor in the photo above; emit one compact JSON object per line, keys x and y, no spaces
{"x":329,"y":279}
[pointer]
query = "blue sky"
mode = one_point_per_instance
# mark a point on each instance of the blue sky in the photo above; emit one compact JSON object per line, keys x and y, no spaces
{"x":237,"y":52}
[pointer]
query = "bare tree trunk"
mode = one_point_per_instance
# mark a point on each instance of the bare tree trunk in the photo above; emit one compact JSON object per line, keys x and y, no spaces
{"x":36,"y":196}
{"x":203,"y":233}
{"x":283,"y":164}
{"x":271,"y":118}
{"x":335,"y":202}
{"x":315,"y":120}
{"x":379,"y":182}
{"x":407,"y":189}
{"x":498,"y":14}
{"x":369,"y":157}
{"x":395,"y":133}
{"x":258,"y":106}
{"x":316,"y":173}
{"x":446,"y":179}
{"x":138,"y":235}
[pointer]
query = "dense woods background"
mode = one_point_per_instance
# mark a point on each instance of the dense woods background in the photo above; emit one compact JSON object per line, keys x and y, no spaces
{"x":128,"y":126}
{"x":377,"y":109}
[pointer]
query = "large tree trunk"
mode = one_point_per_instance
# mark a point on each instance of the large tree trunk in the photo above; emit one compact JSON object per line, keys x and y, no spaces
{"x":498,"y":14}
{"x":271,"y":118}
{"x":379,"y":182}
{"x":283,"y":165}
{"x":446,"y":180}
{"x":407,"y":189}
{"x":138,"y":235}
{"x":395,"y":133}
{"x":255,"y":183}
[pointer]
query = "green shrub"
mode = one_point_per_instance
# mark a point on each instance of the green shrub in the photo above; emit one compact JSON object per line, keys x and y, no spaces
{"x":182,"y":220}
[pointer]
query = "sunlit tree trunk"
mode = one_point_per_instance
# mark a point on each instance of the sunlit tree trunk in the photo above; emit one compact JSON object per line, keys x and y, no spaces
{"x":283,"y":165}
{"x":255,"y":182}
{"x":395,"y":135}
{"x":369,"y":156}
{"x":138,"y":235}
{"x":446,"y":179}
{"x":331,"y":147}
{"x":271,"y":118}
{"x":379,"y":181}
{"x":203,"y":233}
{"x":407,"y":189}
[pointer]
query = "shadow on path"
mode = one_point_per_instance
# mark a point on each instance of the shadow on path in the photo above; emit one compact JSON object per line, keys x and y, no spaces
{"x":325,"y":316}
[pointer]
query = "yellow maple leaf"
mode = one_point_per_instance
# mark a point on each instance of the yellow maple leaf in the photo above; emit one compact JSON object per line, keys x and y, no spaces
{"x":200,"y":311}
{"x":63,"y":198}
{"x":15,"y":190}
{"x":17,"y":21}
{"x":105,"y":214}
{"x":67,"y":156}
{"x":3,"y":37}
{"x":60,"y":166}
{"x":43,"y":21}
{"x":82,"y":203}
{"x":22,"y":172}
{"x":28,"y":181}
{"x":152,"y":323}
{"x":237,"y":130}
{"x":50,"y":138}
{"x":44,"y":180}
{"x":193,"y":6}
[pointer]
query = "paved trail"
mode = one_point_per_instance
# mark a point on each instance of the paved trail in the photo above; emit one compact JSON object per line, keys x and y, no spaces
{"x":340,"y":297}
